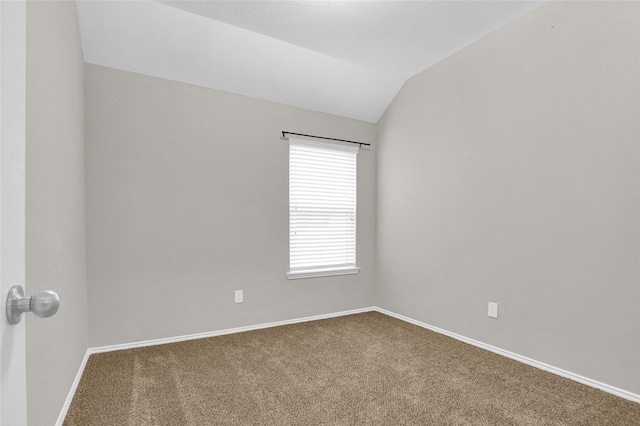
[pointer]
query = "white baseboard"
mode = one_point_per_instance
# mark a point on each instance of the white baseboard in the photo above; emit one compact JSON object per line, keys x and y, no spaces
{"x":72,"y":391}
{"x":525,"y":360}
{"x":175,"y":339}
{"x":532,"y":362}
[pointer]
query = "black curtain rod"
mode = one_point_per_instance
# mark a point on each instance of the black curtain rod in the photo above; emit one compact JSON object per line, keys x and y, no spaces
{"x":322,"y":137}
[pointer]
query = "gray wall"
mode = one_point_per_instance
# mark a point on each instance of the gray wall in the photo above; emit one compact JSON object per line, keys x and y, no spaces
{"x":187,"y":201}
{"x":55,"y":222}
{"x":509,"y":173}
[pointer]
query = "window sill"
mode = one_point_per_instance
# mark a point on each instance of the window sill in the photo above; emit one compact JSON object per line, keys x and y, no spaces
{"x":314,"y":273}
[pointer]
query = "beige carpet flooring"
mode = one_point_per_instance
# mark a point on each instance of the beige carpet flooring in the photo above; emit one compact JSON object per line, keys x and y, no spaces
{"x":364,"y":369}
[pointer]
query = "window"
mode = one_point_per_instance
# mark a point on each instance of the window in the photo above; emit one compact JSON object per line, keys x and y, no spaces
{"x":322,"y":209}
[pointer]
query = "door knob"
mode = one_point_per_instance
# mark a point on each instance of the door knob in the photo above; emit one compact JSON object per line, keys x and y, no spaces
{"x":43,"y":304}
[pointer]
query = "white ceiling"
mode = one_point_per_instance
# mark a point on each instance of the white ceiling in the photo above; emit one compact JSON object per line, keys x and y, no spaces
{"x":348,"y":58}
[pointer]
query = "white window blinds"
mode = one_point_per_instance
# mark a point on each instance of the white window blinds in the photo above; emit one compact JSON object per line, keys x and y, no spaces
{"x":322,"y":208}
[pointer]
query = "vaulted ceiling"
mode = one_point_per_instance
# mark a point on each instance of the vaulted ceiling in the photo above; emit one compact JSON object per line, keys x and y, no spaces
{"x":348,"y":58}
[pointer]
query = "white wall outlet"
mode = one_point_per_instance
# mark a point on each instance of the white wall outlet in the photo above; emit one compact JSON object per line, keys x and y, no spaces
{"x":493,"y":310}
{"x":239,"y":296}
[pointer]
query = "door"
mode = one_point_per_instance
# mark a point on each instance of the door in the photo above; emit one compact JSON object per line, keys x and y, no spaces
{"x":13,"y":406}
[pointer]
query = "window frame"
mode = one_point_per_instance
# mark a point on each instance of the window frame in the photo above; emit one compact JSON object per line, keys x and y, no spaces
{"x":325,"y":270}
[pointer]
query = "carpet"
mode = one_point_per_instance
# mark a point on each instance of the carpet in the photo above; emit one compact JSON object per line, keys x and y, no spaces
{"x":363,"y":369}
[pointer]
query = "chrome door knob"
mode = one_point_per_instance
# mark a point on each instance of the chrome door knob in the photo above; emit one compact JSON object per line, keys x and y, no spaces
{"x":43,"y":304}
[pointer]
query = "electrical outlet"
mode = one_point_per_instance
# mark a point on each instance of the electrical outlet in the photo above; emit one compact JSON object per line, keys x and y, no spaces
{"x":493,"y":310}
{"x":239,"y":296}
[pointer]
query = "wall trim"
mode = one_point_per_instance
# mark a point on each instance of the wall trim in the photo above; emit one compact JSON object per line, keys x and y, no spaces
{"x":72,"y":391}
{"x":163,"y":341}
{"x":523,"y":359}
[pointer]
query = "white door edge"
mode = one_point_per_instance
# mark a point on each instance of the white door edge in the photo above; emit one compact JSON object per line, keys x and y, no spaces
{"x":13,"y":395}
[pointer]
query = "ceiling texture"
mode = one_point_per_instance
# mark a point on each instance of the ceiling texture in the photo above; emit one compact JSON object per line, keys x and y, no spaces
{"x":348,"y":58}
